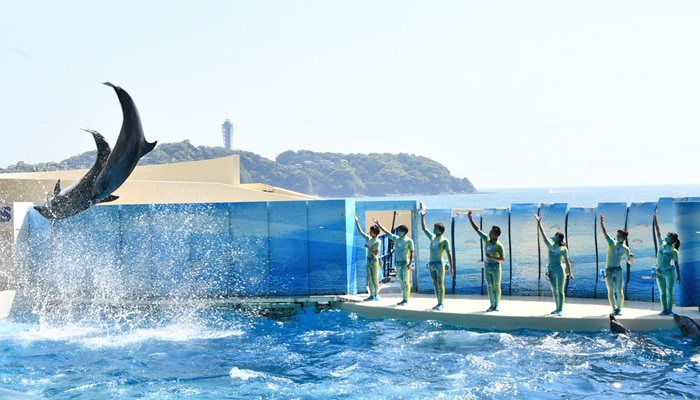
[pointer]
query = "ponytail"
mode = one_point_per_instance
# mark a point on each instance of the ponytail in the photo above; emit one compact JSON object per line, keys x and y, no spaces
{"x":560,"y":235}
{"x":676,"y":242}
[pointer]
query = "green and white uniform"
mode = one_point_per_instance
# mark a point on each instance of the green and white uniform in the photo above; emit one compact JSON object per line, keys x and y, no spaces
{"x":372,"y":265}
{"x":556,"y":270}
{"x":438,"y":246}
{"x":614,"y":278}
{"x":666,"y":260}
{"x":492,"y":269}
{"x":402,"y":248}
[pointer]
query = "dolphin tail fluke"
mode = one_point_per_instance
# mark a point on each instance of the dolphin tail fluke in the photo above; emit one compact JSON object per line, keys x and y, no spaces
{"x":109,"y":84}
{"x":107,"y":199}
{"x":147,"y":147}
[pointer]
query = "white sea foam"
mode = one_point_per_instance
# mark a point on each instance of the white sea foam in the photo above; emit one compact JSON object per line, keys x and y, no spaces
{"x":244,"y":374}
{"x":172,"y":333}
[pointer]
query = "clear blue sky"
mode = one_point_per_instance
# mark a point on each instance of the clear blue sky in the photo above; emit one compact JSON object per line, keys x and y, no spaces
{"x":506,"y":93}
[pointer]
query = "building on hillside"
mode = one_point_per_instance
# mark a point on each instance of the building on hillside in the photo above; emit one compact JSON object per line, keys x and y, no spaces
{"x":206,"y":181}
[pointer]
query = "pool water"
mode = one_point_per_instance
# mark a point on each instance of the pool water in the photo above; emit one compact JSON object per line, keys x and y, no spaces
{"x":198,"y":353}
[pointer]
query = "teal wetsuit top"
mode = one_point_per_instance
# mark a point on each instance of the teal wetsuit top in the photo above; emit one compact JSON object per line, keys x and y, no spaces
{"x":438,"y":246}
{"x":616,"y":251}
{"x":494,"y":248}
{"x":402,"y":247}
{"x":374,"y":244}
{"x":557,"y":254}
{"x":667,"y":256}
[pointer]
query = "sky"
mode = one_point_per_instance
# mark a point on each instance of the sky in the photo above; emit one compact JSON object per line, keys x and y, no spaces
{"x":505,"y":93}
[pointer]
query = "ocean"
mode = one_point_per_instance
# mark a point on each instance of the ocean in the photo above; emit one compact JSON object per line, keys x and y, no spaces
{"x":573,"y":196}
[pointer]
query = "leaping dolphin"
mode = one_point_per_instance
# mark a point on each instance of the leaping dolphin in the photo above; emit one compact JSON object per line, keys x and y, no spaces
{"x":130,"y":147}
{"x":111,"y":168}
{"x":77,"y":197}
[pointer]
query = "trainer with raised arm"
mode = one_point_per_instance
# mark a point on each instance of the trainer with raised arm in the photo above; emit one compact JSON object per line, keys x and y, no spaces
{"x":439,"y":246}
{"x":494,"y":254}
{"x":403,"y":257}
{"x":666,"y":257}
{"x":557,"y":252}
{"x":372,"y":245}
{"x":614,"y":278}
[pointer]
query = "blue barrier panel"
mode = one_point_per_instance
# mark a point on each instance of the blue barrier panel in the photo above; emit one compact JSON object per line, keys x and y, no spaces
{"x":501,"y":218}
{"x":468,"y":255}
{"x":289,"y":263}
{"x":103,"y":239}
{"x":525,"y":273}
{"x":686,"y":222}
{"x":422,"y":253}
{"x":41,"y":268}
{"x":86,"y":252}
{"x":553,"y":221}
{"x":360,"y":254}
{"x":615,"y":218}
{"x":350,"y":256}
{"x":172,"y":227}
{"x":327,"y":247}
{"x":68,"y":271}
{"x":640,"y":285}
{"x":580,"y":228}
{"x":250,"y":264}
{"x":136,"y":249}
{"x":210,"y":250}
{"x":664,"y":208}
{"x":22,"y":256}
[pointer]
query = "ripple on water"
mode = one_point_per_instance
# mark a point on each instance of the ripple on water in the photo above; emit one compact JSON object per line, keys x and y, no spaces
{"x":217,"y":354}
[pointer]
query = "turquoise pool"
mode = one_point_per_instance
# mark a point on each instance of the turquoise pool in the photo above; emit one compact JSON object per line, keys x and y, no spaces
{"x":216,"y":354}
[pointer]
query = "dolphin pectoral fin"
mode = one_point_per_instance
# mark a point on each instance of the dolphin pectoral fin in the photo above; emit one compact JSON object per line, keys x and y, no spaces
{"x":107,"y":199}
{"x":57,"y":188}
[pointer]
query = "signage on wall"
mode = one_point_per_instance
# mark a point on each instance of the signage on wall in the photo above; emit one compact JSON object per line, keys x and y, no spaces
{"x":6,"y":214}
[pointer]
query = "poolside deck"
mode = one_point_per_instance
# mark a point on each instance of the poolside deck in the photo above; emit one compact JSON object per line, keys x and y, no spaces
{"x":516,"y":312}
{"x":462,"y":310}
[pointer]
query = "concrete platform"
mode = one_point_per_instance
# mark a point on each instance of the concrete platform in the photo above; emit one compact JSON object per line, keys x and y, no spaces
{"x":516,"y":312}
{"x":466,"y":311}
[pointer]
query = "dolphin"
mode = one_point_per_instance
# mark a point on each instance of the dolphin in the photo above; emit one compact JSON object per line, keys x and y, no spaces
{"x":130,"y":147}
{"x":687,"y":325}
{"x":77,"y":197}
{"x":617,"y":327}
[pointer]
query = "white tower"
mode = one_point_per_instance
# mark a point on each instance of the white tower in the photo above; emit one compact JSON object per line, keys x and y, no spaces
{"x":227,"y":133}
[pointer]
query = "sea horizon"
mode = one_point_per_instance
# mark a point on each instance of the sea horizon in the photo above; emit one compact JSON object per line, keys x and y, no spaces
{"x":574,"y":196}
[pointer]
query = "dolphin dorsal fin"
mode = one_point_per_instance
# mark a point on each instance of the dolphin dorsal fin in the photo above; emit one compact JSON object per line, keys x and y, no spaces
{"x":57,"y":188}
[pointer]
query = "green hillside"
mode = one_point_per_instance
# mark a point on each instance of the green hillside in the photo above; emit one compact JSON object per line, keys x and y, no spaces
{"x":322,"y":174}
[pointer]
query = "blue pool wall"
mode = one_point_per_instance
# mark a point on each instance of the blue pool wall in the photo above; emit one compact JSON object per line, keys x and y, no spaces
{"x":304,"y":248}
{"x":297,"y":248}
